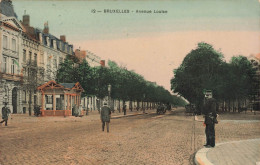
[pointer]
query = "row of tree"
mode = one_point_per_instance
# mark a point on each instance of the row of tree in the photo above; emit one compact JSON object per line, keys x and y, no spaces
{"x":205,"y":69}
{"x":126,"y":85}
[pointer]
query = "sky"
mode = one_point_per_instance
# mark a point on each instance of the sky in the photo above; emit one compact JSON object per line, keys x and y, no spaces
{"x":151,"y":44}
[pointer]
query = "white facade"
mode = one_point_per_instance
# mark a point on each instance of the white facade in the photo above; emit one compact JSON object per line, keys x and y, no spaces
{"x":10,"y":63}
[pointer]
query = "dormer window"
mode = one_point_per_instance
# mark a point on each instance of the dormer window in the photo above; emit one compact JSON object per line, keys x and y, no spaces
{"x":45,"y":40}
{"x":51,"y":45}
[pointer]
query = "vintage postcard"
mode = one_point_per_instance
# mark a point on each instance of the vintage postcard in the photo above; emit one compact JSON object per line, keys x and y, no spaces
{"x":129,"y":82}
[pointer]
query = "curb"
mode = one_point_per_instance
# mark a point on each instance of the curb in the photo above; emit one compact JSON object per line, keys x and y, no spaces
{"x":201,"y":155}
{"x":120,"y":116}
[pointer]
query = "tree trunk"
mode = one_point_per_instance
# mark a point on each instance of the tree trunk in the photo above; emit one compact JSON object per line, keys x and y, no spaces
{"x":30,"y":102}
{"x":229,"y":106}
{"x":131,"y":106}
{"x":119,"y":106}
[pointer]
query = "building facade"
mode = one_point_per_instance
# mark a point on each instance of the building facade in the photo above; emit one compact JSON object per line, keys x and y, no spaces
{"x":255,"y":60}
{"x":42,"y":54}
{"x":29,"y":57}
{"x":10,"y":52}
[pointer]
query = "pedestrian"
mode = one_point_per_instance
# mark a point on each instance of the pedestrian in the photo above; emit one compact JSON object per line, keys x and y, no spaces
{"x":105,"y":116}
{"x":37,"y":110}
{"x":210,"y":120}
{"x":124,"y":109}
{"x":5,"y":113}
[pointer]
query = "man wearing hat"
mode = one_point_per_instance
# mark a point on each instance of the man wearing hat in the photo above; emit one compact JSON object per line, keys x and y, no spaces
{"x":5,"y":113}
{"x":105,"y":115}
{"x":210,"y":119}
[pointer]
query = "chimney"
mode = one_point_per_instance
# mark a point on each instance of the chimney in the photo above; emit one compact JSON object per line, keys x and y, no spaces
{"x":26,"y":19}
{"x":40,"y":37}
{"x":46,"y":28}
{"x":63,"y":38}
{"x":102,"y":63}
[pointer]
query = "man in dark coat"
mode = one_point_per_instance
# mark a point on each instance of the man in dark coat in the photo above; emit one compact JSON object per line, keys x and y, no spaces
{"x":105,"y":115}
{"x":37,"y":110}
{"x":5,"y":113}
{"x":210,"y":120}
{"x":124,"y":109}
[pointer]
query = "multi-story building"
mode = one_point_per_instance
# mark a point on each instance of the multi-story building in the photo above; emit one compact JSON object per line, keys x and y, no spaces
{"x":92,"y":59}
{"x":10,"y":52}
{"x":28,"y":57}
{"x":89,"y":102}
{"x":255,"y":60}
{"x":42,"y":54}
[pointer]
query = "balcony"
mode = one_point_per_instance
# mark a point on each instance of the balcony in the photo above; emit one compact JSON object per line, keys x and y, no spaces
{"x":10,"y":53}
{"x":11,"y":77}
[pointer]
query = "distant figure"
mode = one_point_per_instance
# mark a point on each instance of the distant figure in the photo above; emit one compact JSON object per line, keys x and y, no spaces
{"x":124,"y":109}
{"x":5,"y":113}
{"x":210,"y":120}
{"x":105,"y":115}
{"x":37,"y":110}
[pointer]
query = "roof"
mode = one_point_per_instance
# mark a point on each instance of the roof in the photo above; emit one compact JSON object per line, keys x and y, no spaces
{"x":68,"y":85}
{"x":52,"y":85}
{"x":6,"y":8}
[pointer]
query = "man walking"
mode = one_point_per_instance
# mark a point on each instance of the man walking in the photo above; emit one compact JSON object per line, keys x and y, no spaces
{"x":124,"y":109}
{"x":105,"y":115}
{"x":5,"y":113}
{"x":210,"y":119}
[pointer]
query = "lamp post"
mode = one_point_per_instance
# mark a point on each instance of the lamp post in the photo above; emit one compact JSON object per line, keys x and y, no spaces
{"x":5,"y":99}
{"x":144,"y":104}
{"x":109,"y":95}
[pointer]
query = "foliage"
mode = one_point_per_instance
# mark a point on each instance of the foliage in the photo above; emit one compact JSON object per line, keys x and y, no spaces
{"x":126,"y":85}
{"x":204,"y":68}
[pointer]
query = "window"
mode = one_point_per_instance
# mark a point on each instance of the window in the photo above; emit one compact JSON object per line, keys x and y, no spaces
{"x":12,"y":66}
{"x":28,"y":72}
{"x":13,"y":44}
{"x":30,"y":56}
{"x":35,"y":58}
{"x":24,"y":71}
{"x":24,"y":96}
{"x":4,"y":64}
{"x":5,"y":42}
{"x":42,"y":60}
{"x":24,"y":55}
{"x":48,"y":99}
{"x":60,"y":61}
{"x":55,"y":63}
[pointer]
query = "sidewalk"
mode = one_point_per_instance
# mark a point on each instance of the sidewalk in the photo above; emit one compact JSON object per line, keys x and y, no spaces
{"x":245,"y":152}
{"x":116,"y":114}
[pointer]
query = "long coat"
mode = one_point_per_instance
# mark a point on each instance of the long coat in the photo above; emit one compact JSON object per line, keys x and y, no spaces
{"x":210,"y":111}
{"x":105,"y":114}
{"x":5,"y":112}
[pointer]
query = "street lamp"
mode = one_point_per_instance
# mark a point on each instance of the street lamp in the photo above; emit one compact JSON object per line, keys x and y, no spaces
{"x":5,"y":99}
{"x":5,"y":86}
{"x":144,"y":104}
{"x":109,"y":94}
{"x":109,"y":89}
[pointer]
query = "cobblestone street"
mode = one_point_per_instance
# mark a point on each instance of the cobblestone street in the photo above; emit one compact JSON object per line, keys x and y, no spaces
{"x":172,"y":138}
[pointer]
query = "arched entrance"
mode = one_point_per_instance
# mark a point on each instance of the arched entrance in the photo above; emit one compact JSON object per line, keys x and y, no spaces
{"x":14,"y":99}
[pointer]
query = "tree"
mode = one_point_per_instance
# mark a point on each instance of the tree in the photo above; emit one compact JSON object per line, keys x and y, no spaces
{"x":66,"y":72}
{"x":243,"y":79}
{"x":33,"y":76}
{"x":199,"y":70}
